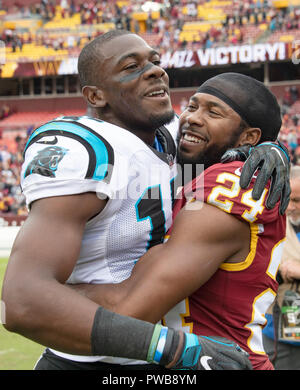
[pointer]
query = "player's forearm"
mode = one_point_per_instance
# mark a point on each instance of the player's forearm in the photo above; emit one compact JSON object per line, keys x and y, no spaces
{"x":113,"y":296}
{"x":70,"y":323}
{"x":135,"y":296}
{"x":106,"y":295}
{"x":50,"y":314}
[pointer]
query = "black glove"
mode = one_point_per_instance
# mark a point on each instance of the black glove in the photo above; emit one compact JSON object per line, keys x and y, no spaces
{"x":211,"y":353}
{"x":272,"y":160}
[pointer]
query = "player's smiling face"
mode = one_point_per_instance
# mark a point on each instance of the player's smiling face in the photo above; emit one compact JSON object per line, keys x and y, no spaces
{"x":136,"y":88}
{"x":208,"y":127}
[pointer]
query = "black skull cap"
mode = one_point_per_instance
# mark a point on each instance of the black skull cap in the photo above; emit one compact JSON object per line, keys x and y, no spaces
{"x":249,"y":98}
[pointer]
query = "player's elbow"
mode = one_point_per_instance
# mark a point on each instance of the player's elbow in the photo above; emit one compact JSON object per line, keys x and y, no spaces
{"x":12,"y":312}
{"x":17,"y":310}
{"x":11,"y":318}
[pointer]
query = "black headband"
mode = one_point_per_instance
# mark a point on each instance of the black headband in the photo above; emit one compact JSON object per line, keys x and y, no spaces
{"x":249,"y":98}
{"x":227,"y":100}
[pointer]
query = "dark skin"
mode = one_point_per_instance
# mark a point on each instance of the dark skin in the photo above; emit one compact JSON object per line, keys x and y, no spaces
{"x":199,"y":244}
{"x":59,"y":317}
{"x":202,"y":234}
{"x":214,"y":128}
{"x":38,"y":265}
{"x":121,"y":94}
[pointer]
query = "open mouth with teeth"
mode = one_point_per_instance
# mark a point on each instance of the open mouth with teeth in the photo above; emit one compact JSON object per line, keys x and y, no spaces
{"x":157,"y":94}
{"x":189,"y":139}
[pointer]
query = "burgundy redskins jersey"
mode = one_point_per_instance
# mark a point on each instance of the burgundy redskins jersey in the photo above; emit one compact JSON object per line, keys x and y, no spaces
{"x":234,"y":301}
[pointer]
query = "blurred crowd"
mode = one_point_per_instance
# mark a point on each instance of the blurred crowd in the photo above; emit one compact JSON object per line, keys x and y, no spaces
{"x":11,"y":197}
{"x":290,"y":131}
{"x":167,"y":27}
{"x":5,"y":111}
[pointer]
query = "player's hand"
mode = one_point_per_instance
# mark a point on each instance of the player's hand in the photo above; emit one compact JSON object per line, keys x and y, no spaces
{"x":272,"y":160}
{"x":211,"y":353}
{"x":236,"y":154}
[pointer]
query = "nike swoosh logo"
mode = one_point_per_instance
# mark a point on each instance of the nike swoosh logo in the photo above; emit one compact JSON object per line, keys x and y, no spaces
{"x":51,"y":142}
{"x":204,"y":362}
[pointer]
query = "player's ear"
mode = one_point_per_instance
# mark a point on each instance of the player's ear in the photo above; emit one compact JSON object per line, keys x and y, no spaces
{"x":250,"y":136}
{"x":94,"y":96}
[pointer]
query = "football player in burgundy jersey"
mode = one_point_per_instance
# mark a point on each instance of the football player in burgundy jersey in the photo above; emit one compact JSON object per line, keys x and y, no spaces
{"x":216,"y":272}
{"x":71,"y":186}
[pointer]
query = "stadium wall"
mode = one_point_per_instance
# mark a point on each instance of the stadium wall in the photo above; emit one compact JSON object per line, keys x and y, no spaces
{"x":7,"y":237}
{"x":279,"y":88}
{"x":9,"y":228}
{"x":63,"y":103}
{"x":39,"y":103}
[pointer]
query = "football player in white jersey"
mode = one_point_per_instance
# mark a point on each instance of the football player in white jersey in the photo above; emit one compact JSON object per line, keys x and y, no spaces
{"x":223,"y":251}
{"x":99,"y":192}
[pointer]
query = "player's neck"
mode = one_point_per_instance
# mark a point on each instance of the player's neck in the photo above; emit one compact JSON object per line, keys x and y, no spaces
{"x":146,"y":135}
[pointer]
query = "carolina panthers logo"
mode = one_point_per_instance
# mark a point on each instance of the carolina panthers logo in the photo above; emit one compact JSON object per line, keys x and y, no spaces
{"x":46,"y":161}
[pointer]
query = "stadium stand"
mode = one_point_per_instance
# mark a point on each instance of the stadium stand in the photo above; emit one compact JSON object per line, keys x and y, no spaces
{"x":64,"y":26}
{"x":40,"y":37}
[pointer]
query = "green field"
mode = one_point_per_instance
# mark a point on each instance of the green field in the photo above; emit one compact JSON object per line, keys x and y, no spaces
{"x":16,"y":352}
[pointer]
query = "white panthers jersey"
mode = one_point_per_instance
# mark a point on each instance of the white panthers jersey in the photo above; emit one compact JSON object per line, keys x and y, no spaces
{"x":76,"y":155}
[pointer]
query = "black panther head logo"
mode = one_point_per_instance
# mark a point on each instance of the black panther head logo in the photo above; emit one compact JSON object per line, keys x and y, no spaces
{"x":46,"y":161}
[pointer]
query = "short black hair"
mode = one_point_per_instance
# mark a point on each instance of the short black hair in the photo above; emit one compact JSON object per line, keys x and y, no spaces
{"x":91,"y":56}
{"x":250,"y":98}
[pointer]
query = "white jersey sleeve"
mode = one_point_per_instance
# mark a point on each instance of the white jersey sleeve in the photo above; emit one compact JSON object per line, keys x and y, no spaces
{"x":65,"y":157}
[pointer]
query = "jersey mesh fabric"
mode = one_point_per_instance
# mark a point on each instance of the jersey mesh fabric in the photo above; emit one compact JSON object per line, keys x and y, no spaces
{"x":113,"y":240}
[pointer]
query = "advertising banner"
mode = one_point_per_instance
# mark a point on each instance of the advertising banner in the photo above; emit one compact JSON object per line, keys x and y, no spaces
{"x":216,"y":56}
